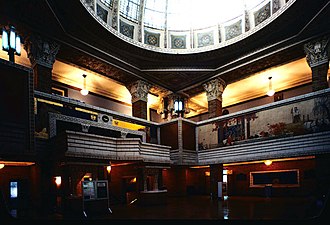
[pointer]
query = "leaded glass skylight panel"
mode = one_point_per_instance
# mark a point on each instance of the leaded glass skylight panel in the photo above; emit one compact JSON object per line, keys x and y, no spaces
{"x":130,"y":9}
{"x":107,"y":3}
{"x":196,"y":14}
{"x":190,"y":25}
{"x":179,"y":14}
{"x":154,"y":13}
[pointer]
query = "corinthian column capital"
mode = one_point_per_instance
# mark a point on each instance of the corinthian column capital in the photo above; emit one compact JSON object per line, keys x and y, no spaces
{"x":214,"y":89}
{"x":41,"y":50}
{"x":317,"y":51}
{"x":139,"y":90}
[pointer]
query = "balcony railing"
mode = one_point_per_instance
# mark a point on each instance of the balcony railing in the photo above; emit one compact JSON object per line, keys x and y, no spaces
{"x":52,"y":110}
{"x":79,"y":144}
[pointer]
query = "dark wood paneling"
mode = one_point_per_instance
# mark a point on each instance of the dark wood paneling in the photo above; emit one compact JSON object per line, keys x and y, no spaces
{"x":169,"y":135}
{"x":188,"y":136}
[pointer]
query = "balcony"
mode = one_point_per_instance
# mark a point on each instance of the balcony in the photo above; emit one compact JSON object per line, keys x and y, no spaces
{"x":293,"y":127}
{"x":84,"y":145}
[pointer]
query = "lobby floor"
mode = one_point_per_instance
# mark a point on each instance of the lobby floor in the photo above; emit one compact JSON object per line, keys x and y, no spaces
{"x":233,"y":208}
{"x":192,"y":209}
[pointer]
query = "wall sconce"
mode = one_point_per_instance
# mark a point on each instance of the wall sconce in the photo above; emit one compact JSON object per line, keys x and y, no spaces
{"x":58,"y":181}
{"x":270,"y":91}
{"x":2,"y":165}
{"x":268,"y":162}
{"x":109,"y":169}
{"x":84,"y":91}
{"x":11,"y":42}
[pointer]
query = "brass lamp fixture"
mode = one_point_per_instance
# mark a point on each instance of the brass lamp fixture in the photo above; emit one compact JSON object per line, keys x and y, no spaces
{"x":84,"y":91}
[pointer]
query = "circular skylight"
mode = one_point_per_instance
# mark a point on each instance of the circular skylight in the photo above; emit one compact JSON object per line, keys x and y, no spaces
{"x":184,"y":26}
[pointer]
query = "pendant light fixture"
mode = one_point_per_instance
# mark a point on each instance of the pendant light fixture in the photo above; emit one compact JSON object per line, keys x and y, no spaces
{"x":84,"y":91}
{"x":270,"y":91}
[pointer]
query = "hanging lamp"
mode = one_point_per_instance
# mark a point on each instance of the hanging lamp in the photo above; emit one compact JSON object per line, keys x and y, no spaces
{"x":84,"y":91}
{"x":270,"y":91}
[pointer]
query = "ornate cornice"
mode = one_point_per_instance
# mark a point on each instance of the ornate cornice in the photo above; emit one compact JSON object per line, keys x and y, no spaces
{"x":214,"y":89}
{"x":317,"y":51}
{"x":41,"y":51}
{"x":139,"y":90}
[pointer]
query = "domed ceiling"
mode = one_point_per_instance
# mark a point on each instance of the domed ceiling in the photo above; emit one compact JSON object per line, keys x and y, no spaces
{"x":256,"y":39}
{"x":184,"y":26}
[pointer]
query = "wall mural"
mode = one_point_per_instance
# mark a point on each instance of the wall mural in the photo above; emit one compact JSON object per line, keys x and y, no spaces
{"x":294,"y":119}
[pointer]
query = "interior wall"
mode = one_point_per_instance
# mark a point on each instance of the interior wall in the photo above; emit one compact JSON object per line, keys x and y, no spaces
{"x":169,"y":135}
{"x":197,"y":181}
{"x":100,"y":102}
{"x":188,"y":136}
{"x":120,"y":183}
{"x":239,"y":180}
{"x":304,"y":89}
{"x":175,"y":181}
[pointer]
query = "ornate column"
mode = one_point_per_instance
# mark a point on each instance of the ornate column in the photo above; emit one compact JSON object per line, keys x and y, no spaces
{"x":317,"y":56}
{"x":139,"y":92}
{"x":42,"y":53}
{"x":214,"y":90}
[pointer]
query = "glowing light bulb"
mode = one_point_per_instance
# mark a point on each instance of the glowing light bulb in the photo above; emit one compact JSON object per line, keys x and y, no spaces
{"x":84,"y":92}
{"x":268,"y":162}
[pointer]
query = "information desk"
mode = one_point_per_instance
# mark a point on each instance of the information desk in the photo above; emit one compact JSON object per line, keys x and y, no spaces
{"x":157,"y":197}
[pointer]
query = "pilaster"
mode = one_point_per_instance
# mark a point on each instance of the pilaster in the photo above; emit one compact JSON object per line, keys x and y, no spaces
{"x":215,"y":177}
{"x":139,"y":92}
{"x":42,"y":53}
{"x":214,"y":90}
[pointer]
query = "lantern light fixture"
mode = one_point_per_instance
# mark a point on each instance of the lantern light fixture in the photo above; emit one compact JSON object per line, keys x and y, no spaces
{"x":11,"y":42}
{"x":270,"y":91}
{"x":84,"y":91}
{"x":2,"y":165}
{"x":178,"y":105}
